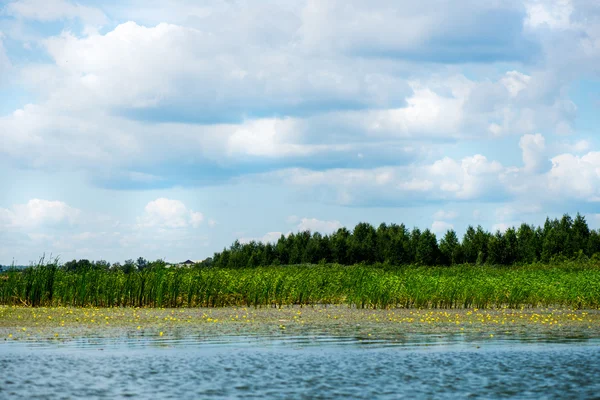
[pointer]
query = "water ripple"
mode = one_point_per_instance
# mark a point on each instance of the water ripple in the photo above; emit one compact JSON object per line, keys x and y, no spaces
{"x":300,"y":367}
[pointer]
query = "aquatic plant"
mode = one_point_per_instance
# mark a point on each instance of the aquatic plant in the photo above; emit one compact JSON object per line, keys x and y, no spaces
{"x":381,"y":286}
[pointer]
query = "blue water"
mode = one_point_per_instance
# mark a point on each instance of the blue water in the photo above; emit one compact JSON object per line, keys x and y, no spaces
{"x":300,"y":367}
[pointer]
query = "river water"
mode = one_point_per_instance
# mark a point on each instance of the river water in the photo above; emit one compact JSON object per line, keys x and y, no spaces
{"x":300,"y":367}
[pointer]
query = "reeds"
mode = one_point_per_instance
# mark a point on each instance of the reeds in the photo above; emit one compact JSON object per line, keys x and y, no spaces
{"x":463,"y":286}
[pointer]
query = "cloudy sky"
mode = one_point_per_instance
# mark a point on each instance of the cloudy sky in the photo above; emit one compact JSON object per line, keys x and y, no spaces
{"x":139,"y":128}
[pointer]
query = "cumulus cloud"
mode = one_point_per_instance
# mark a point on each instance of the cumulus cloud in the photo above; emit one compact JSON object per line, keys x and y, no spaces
{"x":473,"y":177}
{"x":578,"y":146}
{"x":209,"y":96}
{"x":305,"y":224}
{"x":445,"y":215}
{"x":37,"y":213}
{"x":212,"y":103}
{"x":534,"y":157}
{"x":513,"y":213}
{"x":168,"y":213}
{"x":515,"y":81}
{"x":204,"y":77}
{"x":316,"y":225}
{"x":423,"y":30}
{"x":344,"y":102}
{"x":501,"y":226}
{"x":576,"y":176}
{"x":270,"y":237}
{"x":53,"y":10}
{"x":4,"y":61}
{"x":441,"y":227}
{"x":554,"y":14}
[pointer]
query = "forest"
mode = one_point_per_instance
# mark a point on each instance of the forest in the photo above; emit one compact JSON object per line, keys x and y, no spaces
{"x":388,"y":266}
{"x":557,"y":240}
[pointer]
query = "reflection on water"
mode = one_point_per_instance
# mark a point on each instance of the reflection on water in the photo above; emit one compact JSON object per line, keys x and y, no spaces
{"x":313,"y":365}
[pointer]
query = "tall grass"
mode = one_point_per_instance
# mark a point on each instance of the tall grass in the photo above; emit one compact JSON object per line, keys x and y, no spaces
{"x":462,"y":286}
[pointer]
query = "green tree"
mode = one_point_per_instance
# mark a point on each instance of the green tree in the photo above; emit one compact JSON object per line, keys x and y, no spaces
{"x":468,"y":245}
{"x":362,"y":244}
{"x":414,"y":241}
{"x":339,"y":246}
{"x":384,"y":243}
{"x":141,"y":264}
{"x":580,"y":235}
{"x":527,"y":246}
{"x":400,"y":247}
{"x":427,"y":249}
{"x":511,"y":246}
{"x":282,"y":250}
{"x":496,"y":249}
{"x":450,"y":249}
{"x":128,"y":266}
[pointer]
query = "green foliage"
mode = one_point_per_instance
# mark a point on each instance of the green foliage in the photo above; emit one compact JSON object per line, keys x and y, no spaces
{"x":395,"y":245}
{"x":384,"y":272}
{"x":572,"y":284}
{"x":427,"y":252}
{"x":450,"y":249}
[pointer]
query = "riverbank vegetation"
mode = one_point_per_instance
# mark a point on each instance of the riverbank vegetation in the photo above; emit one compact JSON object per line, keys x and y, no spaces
{"x":554,"y":265}
{"x":570,"y":284}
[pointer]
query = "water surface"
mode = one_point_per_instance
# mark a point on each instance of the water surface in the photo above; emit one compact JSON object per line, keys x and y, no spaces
{"x":301,"y":367}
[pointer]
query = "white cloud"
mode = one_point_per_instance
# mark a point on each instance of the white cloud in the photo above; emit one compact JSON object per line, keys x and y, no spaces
{"x":400,"y":28}
{"x":196,"y":219}
{"x":534,"y":156}
{"x":445,"y":215}
{"x":167,"y":213}
{"x":37,"y":213}
{"x":501,"y":226}
{"x":441,"y":227}
{"x":577,"y":177}
{"x":53,"y":10}
{"x":578,"y":147}
{"x":270,"y":237}
{"x":267,"y":138}
{"x":514,"y":81}
{"x":512,"y":212}
{"x":473,"y":177}
{"x":305,"y":224}
{"x":316,"y":225}
{"x":93,"y":98}
{"x":554,"y":14}
{"x":5,"y":64}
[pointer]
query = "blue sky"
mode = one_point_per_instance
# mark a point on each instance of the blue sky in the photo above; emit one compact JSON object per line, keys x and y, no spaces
{"x":140,"y":128}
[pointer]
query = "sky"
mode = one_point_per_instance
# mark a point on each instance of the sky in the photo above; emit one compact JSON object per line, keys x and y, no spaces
{"x":168,"y":130}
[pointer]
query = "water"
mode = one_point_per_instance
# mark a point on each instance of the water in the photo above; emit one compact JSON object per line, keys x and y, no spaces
{"x":301,"y":367}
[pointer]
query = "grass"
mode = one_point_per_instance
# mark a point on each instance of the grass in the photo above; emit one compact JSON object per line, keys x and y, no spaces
{"x":459,"y":287}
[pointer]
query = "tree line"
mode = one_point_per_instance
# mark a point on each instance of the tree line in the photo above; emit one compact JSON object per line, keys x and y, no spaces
{"x":557,"y":239}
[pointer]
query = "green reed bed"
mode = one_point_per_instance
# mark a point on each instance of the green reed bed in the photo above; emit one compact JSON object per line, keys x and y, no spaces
{"x":463,"y":286}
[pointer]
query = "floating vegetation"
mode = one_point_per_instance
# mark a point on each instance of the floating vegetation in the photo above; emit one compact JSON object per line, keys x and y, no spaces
{"x":64,"y":323}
